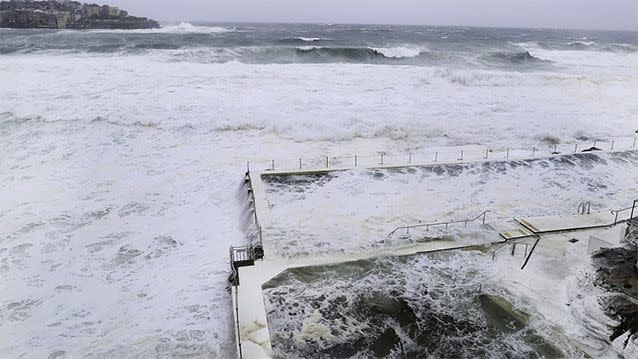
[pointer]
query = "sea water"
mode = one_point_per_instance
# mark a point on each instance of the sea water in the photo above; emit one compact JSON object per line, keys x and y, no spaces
{"x":121,"y":152}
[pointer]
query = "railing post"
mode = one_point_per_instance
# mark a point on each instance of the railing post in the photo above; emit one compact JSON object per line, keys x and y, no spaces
{"x":634,"y":145}
{"x":576,"y":148}
{"x":612,"y":144}
{"x":410,"y":158}
{"x":355,"y":160}
{"x":533,"y":151}
{"x":273,"y":165}
{"x":508,"y":153}
{"x":487,"y":151}
{"x":484,"y":214}
{"x":381,"y":159}
{"x":555,"y":148}
{"x":327,"y":162}
{"x":436,"y":156}
{"x":616,"y":218}
{"x":300,"y":163}
{"x":461,"y":159}
{"x":631,"y":216}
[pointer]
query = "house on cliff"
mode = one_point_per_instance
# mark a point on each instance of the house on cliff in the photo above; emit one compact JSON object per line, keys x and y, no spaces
{"x":93,"y":10}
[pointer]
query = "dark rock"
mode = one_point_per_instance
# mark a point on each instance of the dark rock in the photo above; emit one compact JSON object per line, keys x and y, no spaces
{"x":616,"y":270}
{"x":624,"y":311}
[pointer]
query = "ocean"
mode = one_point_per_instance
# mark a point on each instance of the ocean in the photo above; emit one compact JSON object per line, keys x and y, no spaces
{"x":122,"y":152}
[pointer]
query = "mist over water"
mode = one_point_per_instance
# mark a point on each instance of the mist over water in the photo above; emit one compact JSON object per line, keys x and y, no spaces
{"x":121,"y":151}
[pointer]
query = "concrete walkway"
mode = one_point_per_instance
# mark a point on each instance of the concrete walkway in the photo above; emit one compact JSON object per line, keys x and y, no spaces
{"x":561,"y":223}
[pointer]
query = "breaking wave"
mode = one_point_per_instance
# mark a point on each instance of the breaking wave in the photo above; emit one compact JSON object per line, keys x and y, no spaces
{"x":181,"y":28}
{"x":398,"y":52}
{"x":302,"y":40}
{"x":358,"y":53}
{"x":515,"y":58}
{"x":580,"y":45}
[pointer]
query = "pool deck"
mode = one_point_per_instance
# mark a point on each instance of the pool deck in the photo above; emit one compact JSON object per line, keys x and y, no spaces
{"x":561,"y":223}
{"x":248,"y":301}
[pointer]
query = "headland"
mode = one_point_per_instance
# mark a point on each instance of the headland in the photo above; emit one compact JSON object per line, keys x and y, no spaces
{"x":65,"y":14}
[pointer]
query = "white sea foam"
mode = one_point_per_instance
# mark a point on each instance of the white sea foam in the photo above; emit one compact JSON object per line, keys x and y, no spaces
{"x":186,"y":27}
{"x":398,"y":52}
{"x":118,"y":174}
{"x":183,"y":27}
{"x":582,"y":43}
{"x":310,"y":39}
{"x":307,"y":48}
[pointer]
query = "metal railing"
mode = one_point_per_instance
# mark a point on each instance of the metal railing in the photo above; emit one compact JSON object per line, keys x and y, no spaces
{"x":615,"y":212}
{"x":435,"y":224}
{"x":444,"y":155}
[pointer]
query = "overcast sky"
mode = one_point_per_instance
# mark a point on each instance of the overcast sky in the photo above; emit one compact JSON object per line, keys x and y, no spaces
{"x":581,"y":14}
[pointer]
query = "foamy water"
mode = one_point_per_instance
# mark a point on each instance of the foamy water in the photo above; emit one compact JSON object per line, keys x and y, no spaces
{"x":120,"y":155}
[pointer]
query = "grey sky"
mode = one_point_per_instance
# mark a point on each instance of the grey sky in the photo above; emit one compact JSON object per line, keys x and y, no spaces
{"x":583,"y":14}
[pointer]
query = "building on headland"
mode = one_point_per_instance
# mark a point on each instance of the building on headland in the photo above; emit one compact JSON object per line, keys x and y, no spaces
{"x":62,"y":19}
{"x":114,"y":11}
{"x":93,"y":10}
{"x":65,"y":14}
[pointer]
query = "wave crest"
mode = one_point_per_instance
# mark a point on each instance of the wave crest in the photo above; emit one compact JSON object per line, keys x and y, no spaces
{"x":358,"y":53}
{"x":515,"y":58}
{"x":186,"y":27}
{"x":398,"y":52}
{"x":301,"y":40}
{"x":181,"y":28}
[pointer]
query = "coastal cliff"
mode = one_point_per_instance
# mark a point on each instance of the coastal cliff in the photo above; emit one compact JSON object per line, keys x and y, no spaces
{"x":65,"y":14}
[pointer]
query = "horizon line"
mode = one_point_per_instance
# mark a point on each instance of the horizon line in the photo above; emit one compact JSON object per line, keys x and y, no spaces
{"x":284,"y":22}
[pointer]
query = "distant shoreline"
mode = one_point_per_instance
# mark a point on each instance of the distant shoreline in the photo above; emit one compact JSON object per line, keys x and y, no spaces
{"x":69,"y":15}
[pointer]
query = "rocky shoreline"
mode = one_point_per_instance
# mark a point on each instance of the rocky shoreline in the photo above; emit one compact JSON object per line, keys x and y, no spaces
{"x":616,"y":271}
{"x":19,"y":14}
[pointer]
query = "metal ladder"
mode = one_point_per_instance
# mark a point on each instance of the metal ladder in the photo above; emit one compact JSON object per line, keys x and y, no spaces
{"x":584,"y":207}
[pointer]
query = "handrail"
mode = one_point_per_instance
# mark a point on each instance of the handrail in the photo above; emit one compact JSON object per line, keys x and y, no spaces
{"x":428,"y":225}
{"x":617,"y":211}
{"x":328,"y":162}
